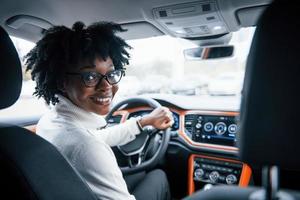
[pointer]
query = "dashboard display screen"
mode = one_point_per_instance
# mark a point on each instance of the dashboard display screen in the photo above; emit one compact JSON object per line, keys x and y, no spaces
{"x":212,"y":129}
{"x":219,"y":130}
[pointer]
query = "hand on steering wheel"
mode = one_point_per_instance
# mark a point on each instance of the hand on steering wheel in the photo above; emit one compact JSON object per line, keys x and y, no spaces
{"x":160,"y":118}
{"x":139,"y":146}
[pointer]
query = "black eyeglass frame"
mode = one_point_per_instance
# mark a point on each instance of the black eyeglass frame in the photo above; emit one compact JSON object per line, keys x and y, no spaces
{"x":99,"y":75}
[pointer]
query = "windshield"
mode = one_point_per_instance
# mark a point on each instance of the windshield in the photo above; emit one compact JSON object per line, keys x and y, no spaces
{"x":157,"y":65}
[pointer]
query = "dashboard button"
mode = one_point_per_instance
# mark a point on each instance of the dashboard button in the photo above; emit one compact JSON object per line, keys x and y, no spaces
{"x":199,"y":173}
{"x":213,"y":176}
{"x":198,"y":125}
{"x":220,"y":128}
{"x":231,"y":179}
{"x":232,"y":128}
{"x":208,"y":126}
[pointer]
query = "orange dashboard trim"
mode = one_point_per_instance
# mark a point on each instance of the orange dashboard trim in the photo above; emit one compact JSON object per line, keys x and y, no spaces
{"x":244,"y":178}
{"x":31,"y":128}
{"x":182,"y":134}
{"x":123,"y":113}
{"x":191,"y":184}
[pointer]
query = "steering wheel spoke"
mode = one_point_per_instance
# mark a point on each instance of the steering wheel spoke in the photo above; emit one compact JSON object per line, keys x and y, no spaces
{"x":151,"y":132}
{"x":140,"y":159}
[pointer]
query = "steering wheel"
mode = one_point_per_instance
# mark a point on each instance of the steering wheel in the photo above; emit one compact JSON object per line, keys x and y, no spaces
{"x":140,"y":145}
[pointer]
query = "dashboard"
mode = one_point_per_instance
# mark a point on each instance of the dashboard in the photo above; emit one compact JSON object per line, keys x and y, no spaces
{"x":211,"y":130}
{"x":203,"y":128}
{"x":210,"y":137}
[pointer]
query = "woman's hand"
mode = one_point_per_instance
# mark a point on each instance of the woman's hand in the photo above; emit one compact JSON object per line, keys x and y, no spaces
{"x":160,"y":118}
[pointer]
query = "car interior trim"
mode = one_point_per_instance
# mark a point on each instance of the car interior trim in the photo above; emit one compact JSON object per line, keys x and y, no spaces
{"x":244,"y":176}
{"x":125,"y":113}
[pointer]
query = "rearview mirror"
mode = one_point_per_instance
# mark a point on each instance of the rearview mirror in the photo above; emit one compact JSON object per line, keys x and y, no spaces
{"x":203,"y":53}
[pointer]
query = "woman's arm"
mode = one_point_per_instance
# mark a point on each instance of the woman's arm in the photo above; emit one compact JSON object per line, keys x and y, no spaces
{"x":160,"y":118}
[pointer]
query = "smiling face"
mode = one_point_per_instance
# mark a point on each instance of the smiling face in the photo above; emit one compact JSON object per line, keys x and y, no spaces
{"x":95,"y":99}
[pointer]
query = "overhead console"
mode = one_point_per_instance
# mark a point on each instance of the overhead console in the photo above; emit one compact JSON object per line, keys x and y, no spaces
{"x":190,"y":20}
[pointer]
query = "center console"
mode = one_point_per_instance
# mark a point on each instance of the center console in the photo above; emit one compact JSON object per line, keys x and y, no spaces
{"x":208,"y":171}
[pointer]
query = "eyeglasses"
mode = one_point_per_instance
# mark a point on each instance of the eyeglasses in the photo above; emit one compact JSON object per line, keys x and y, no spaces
{"x":91,"y":79}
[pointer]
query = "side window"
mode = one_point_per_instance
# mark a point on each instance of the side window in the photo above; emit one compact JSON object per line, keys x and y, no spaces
{"x":28,"y":108}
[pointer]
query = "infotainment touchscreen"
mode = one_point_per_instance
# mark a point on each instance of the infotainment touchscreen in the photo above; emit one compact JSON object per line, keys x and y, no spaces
{"x":216,"y":130}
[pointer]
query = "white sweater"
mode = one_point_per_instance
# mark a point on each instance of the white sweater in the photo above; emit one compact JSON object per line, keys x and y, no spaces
{"x":76,"y":134}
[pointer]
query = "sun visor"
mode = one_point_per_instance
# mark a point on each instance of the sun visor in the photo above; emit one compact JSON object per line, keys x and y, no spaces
{"x":29,"y":27}
{"x":139,"y":30}
{"x":249,"y":16}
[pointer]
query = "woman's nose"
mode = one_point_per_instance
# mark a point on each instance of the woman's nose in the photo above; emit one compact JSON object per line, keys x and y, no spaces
{"x":103,"y":85}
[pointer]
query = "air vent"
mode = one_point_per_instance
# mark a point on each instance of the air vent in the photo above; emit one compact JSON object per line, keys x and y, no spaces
{"x":188,"y":124}
{"x":114,"y":120}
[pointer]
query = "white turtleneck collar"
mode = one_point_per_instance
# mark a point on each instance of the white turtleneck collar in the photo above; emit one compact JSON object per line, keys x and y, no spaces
{"x":87,"y":119}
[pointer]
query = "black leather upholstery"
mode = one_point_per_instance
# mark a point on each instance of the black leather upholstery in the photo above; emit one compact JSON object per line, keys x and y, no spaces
{"x":30,"y":167}
{"x":10,"y":71}
{"x":270,"y":111}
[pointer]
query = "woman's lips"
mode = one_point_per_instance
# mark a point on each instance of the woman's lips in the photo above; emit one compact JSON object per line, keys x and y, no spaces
{"x":102,"y":100}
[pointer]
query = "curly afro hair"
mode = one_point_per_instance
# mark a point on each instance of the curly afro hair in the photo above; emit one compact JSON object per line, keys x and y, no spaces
{"x":62,"y":48}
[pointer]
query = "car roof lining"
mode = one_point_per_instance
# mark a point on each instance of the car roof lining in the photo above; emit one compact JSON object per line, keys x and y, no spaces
{"x":137,"y":16}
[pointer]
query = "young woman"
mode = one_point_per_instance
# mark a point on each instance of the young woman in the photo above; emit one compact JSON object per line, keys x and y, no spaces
{"x":78,"y":70}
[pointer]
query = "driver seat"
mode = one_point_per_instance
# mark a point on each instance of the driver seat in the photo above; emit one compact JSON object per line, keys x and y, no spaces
{"x":269,"y":132}
{"x":30,"y":167}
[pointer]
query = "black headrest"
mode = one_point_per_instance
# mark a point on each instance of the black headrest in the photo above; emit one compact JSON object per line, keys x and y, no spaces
{"x":10,"y":71}
{"x":270,"y":110}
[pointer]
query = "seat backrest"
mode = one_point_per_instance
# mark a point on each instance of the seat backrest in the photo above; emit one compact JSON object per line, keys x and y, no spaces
{"x":11,"y":72}
{"x":268,"y":133}
{"x":30,"y":167}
